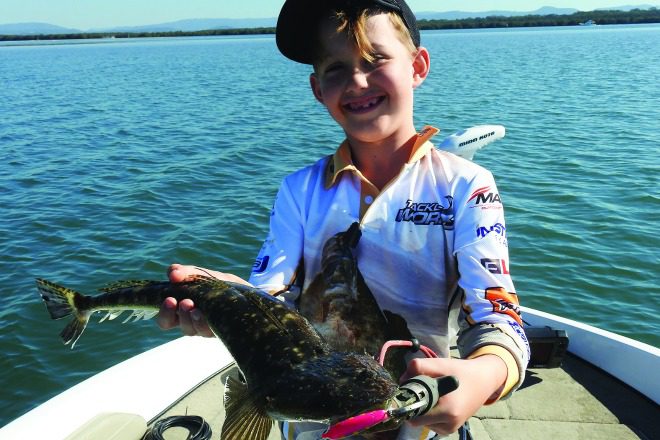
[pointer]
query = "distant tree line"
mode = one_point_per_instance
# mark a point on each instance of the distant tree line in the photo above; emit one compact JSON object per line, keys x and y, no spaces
{"x":92,"y":35}
{"x":635,"y":16}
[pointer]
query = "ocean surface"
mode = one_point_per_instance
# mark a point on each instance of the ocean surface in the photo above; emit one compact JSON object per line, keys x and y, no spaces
{"x":119,"y":157}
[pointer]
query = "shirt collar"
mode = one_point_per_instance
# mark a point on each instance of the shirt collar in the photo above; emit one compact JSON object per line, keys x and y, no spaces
{"x":342,"y":161}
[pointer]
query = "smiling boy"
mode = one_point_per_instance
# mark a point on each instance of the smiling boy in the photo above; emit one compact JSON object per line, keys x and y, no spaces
{"x":418,"y":209}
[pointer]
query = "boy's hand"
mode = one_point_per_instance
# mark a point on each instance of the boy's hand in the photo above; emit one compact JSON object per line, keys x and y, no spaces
{"x":184,"y":314}
{"x":479,"y":379}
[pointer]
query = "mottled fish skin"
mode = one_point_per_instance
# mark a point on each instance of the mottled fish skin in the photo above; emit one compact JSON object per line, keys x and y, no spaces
{"x":343,"y":309}
{"x":291,"y":373}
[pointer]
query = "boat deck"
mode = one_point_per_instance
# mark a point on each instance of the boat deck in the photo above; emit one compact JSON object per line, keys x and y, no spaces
{"x":576,"y":401}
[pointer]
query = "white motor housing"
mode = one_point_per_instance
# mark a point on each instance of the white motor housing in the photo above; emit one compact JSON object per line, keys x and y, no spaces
{"x":466,"y":142}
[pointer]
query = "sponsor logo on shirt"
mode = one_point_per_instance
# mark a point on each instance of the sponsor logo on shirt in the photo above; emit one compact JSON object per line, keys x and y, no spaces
{"x":495,"y":265}
{"x":520,"y":332}
{"x":260,"y":264}
{"x":504,"y":302}
{"x":497,"y":229}
{"x":485,"y":198}
{"x":428,"y":213}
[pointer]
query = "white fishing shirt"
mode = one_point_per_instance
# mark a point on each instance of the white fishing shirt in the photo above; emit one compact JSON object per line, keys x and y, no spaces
{"x":440,"y":216}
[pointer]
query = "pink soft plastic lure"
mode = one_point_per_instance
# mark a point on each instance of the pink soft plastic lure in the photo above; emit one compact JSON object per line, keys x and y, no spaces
{"x":356,"y":424}
{"x":364,"y":421}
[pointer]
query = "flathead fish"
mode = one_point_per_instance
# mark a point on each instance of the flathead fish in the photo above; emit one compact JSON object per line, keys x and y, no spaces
{"x":340,"y":305}
{"x":290,"y":372}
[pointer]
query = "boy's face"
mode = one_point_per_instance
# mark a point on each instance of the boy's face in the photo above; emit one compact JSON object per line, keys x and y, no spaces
{"x":372,"y":102}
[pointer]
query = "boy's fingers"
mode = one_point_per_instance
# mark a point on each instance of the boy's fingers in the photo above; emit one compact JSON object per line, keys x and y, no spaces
{"x":182,"y":314}
{"x":167,"y":317}
{"x":427,"y":367}
{"x":176,"y":274}
{"x":185,"y":320}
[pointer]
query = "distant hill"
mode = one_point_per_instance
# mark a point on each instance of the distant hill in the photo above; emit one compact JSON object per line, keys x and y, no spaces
{"x":202,"y":24}
{"x":35,"y":29}
{"x":191,"y":25}
{"x":459,"y":15}
{"x":627,"y":8}
{"x":196,"y":24}
{"x":546,"y":10}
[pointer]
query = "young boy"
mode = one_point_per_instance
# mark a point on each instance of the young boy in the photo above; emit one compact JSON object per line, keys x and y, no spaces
{"x":432,"y":224}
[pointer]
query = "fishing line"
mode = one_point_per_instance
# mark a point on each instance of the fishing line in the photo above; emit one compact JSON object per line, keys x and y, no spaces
{"x":197,"y":428}
{"x":207,"y":273}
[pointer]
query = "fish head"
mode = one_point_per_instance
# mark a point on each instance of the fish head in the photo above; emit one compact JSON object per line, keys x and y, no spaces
{"x":339,"y":266}
{"x":331,"y":388}
{"x":336,"y":283}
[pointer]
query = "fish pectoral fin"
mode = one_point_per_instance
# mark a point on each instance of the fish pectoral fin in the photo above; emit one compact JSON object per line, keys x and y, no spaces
{"x":245,"y":417}
{"x":111,"y":314}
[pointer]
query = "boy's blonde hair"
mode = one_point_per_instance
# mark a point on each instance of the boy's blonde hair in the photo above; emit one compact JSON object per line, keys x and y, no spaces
{"x":355,"y":27}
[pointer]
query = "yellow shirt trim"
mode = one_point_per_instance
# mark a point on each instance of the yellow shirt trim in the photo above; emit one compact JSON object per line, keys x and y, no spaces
{"x":343,"y":161}
{"x":512,"y":376}
{"x":421,"y":146}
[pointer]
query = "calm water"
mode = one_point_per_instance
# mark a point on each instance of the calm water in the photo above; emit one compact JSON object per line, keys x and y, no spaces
{"x":121,"y":157}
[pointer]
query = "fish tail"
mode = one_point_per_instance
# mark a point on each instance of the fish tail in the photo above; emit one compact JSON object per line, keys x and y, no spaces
{"x":61,"y":303}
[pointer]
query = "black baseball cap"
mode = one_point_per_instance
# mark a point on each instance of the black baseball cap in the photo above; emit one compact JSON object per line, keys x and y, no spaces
{"x":298,"y":22}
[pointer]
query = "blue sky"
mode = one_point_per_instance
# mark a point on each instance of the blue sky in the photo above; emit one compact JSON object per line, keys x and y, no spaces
{"x":86,"y":14}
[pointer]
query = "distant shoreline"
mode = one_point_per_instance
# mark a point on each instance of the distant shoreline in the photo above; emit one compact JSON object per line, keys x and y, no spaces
{"x":635,"y":16}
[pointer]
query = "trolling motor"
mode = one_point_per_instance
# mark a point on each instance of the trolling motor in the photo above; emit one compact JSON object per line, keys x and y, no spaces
{"x":466,"y":142}
{"x":414,"y":397}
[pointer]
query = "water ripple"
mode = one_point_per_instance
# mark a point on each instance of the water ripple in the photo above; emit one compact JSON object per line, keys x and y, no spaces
{"x":122,"y":158}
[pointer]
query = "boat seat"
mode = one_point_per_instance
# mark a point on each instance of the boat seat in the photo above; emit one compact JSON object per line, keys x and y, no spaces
{"x":111,"y":426}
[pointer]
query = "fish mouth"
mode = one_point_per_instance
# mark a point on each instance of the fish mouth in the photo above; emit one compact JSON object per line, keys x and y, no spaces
{"x":363,"y":104}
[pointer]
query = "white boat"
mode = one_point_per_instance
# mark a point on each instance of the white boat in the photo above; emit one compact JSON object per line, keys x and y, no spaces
{"x":588,"y":23}
{"x":608,"y":387}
